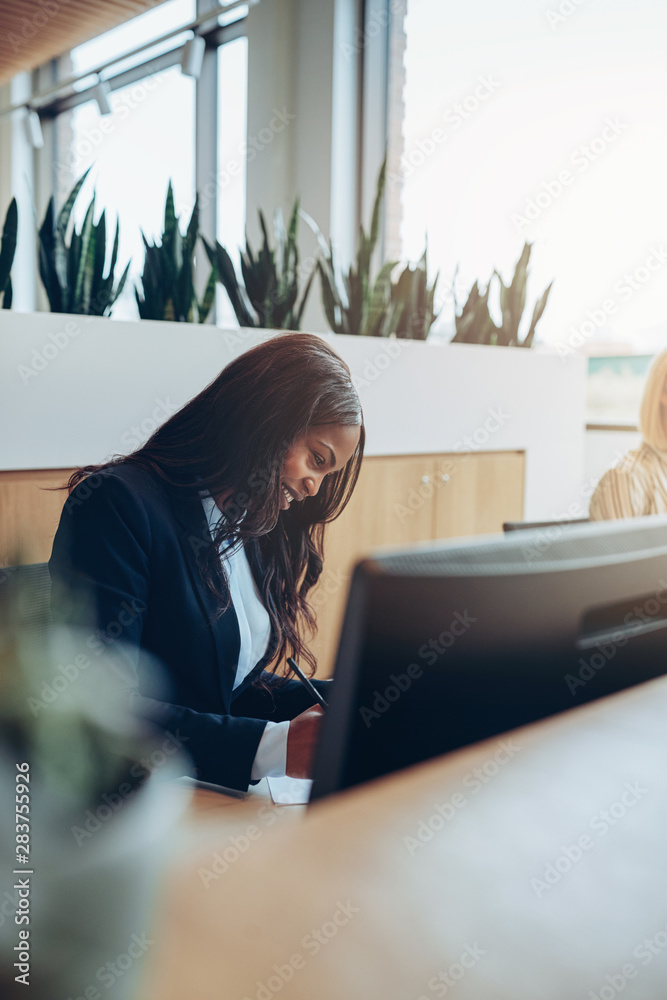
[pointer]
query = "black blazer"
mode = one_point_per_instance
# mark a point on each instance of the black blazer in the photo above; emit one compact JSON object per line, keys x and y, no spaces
{"x":132,"y":542}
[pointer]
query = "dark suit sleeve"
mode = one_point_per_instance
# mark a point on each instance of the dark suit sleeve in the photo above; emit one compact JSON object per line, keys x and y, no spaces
{"x":282,"y":701}
{"x":100,"y":571}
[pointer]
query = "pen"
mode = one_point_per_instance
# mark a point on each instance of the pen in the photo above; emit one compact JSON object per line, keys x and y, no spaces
{"x":292,"y":664}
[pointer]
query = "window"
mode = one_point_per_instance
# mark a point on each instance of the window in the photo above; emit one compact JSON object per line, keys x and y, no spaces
{"x":523,"y":123}
{"x":129,"y":175}
{"x":150,"y":136}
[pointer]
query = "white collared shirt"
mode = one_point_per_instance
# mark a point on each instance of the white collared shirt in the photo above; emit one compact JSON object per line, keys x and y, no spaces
{"x":255,"y":631}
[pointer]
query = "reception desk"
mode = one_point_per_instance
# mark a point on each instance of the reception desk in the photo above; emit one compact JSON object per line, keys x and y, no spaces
{"x":532,"y":865}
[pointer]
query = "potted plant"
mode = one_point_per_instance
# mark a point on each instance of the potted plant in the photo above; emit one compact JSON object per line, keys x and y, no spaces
{"x":7,"y":250}
{"x":412,"y":301}
{"x":474,"y":324}
{"x":269,"y":295}
{"x":167,"y":289}
{"x":90,"y":809}
{"x":73,"y":274}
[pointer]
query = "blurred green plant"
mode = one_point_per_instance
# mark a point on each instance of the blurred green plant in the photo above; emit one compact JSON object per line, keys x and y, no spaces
{"x":357,"y":304}
{"x":412,"y":300}
{"x":7,"y":250}
{"x":167,"y":283}
{"x":268,"y":295}
{"x":73,"y":274}
{"x":78,"y":738}
{"x":474,"y":324}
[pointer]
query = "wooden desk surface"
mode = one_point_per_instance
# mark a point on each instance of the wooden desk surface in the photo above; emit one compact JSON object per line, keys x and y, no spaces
{"x":526,"y":867}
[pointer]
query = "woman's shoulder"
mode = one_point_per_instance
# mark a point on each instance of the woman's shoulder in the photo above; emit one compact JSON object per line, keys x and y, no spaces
{"x":625,"y":489}
{"x":125,"y":483}
{"x":651,"y":459}
{"x":639,"y":461}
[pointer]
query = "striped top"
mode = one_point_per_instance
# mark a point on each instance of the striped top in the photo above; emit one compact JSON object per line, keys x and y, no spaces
{"x":636,"y":487}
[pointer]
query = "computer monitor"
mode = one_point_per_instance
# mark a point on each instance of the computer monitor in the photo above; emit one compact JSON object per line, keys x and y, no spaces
{"x":452,"y":642}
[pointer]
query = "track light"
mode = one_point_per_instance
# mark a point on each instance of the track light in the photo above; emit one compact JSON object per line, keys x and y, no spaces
{"x":33,"y":127}
{"x":192,"y":56}
{"x":101,"y":92}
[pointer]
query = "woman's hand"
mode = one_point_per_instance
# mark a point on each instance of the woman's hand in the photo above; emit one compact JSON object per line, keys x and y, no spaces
{"x":301,"y":740}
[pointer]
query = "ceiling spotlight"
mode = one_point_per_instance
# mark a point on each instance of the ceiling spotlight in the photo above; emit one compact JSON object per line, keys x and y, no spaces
{"x":33,"y":127}
{"x":192,"y":56}
{"x":101,"y":93}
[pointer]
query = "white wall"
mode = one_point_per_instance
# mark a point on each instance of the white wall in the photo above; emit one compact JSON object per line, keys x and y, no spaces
{"x":76,"y":390}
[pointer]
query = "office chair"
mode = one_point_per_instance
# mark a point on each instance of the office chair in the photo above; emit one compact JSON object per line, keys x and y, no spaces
{"x":528,"y":525}
{"x":27,"y":588}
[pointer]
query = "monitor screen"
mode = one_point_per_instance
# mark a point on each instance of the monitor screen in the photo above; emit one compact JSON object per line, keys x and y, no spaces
{"x":449,"y":643}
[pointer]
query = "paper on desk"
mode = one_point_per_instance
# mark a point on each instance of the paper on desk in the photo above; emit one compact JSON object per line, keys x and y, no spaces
{"x":290,"y":791}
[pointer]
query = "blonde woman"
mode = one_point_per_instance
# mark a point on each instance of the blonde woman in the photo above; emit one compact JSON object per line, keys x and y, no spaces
{"x":637,"y":486}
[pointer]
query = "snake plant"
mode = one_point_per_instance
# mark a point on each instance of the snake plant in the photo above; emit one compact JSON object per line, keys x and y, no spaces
{"x":167,"y":283}
{"x":357,"y":304}
{"x":474,"y":324}
{"x":268,"y":296}
{"x":73,"y":273}
{"x":412,"y":302}
{"x":7,"y":249}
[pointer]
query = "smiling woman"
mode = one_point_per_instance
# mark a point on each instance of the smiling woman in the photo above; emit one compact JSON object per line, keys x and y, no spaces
{"x":214,"y":532}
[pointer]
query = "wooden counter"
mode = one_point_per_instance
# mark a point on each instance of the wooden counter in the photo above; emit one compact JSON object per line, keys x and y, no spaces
{"x":522,"y":868}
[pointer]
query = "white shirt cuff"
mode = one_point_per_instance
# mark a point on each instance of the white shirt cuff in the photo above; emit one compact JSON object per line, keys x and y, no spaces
{"x":271,"y":757}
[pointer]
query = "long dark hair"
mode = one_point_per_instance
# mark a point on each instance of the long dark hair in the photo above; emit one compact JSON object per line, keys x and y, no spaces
{"x":233,"y":436}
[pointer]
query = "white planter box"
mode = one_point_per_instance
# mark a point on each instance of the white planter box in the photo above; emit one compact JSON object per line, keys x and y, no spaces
{"x":78,"y":389}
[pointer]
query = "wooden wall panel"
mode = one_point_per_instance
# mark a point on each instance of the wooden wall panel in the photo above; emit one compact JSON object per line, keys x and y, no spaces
{"x":398,"y":500}
{"x":29,"y":514}
{"x":403,"y":499}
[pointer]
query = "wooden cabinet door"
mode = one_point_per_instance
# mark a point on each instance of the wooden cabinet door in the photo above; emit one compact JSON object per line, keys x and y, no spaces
{"x":390,"y":506}
{"x":476,"y":492}
{"x":399,"y":500}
